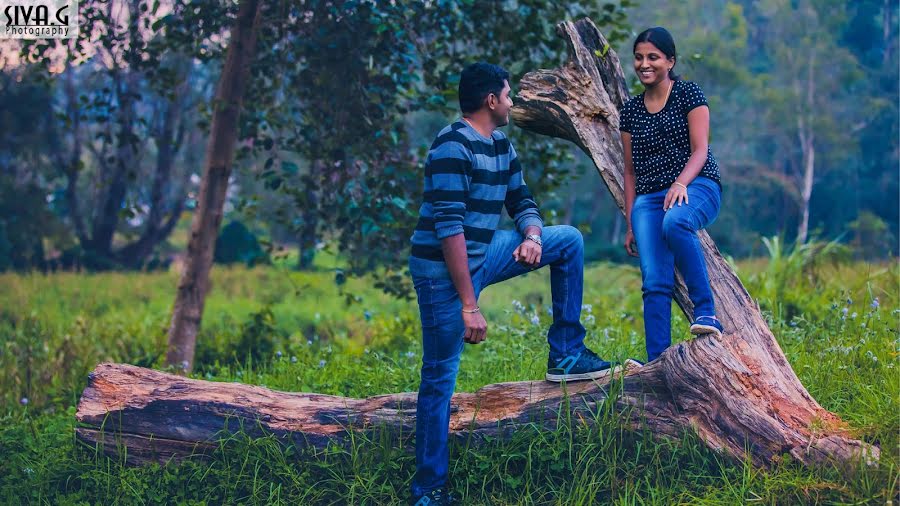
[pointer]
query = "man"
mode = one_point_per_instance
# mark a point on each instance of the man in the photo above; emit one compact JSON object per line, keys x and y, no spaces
{"x":471,"y":173}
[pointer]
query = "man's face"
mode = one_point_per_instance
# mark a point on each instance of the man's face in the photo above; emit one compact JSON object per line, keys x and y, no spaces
{"x":500,"y":105}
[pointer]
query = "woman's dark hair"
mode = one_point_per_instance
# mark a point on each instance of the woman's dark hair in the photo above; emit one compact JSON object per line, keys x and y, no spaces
{"x":662,"y":39}
{"x":476,"y":82}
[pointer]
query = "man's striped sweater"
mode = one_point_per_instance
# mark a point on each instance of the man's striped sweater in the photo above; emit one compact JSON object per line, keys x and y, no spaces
{"x":469,"y":178}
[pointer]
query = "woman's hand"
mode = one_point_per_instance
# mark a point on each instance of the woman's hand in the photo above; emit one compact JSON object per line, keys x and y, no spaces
{"x":630,"y":245}
{"x":677,"y":195}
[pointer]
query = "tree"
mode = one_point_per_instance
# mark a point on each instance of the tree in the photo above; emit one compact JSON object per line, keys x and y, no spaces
{"x":194,"y":282}
{"x":118,"y":101}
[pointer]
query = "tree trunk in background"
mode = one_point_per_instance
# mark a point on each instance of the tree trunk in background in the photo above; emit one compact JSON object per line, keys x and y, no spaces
{"x":737,"y":393}
{"x":194,"y":283}
{"x":617,"y":229}
{"x":169,"y":137}
{"x":807,"y":138}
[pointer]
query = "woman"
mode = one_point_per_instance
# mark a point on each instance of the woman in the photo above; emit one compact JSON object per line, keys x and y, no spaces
{"x":672,"y":188}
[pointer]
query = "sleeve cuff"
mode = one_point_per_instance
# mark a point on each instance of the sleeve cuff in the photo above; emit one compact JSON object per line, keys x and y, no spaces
{"x":531,"y":221}
{"x":449,"y":231}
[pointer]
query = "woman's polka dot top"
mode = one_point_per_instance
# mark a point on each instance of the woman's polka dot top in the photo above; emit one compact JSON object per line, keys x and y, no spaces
{"x":660,"y":144}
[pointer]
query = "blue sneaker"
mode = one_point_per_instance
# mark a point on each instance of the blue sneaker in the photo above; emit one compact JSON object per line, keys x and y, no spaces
{"x":704,"y":325}
{"x":581,"y":366}
{"x":437,"y":497}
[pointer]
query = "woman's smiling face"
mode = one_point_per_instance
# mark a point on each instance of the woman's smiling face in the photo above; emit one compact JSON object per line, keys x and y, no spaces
{"x":651,"y":65}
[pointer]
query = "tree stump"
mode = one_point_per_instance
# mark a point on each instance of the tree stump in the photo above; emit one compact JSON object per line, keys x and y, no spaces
{"x":737,"y":393}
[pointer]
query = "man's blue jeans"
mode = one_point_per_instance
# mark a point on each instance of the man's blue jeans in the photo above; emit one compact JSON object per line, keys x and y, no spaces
{"x":666,"y":239}
{"x":442,"y":334}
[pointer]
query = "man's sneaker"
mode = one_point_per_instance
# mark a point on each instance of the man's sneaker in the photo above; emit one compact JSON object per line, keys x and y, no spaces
{"x":582,"y":366}
{"x":633,"y":363}
{"x":706,"y":325}
{"x":437,"y":497}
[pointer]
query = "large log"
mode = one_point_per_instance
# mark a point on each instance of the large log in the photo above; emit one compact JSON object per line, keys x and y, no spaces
{"x":737,"y":393}
{"x":159,"y":416}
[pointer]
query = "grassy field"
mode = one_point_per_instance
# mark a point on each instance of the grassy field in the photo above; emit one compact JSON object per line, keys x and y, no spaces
{"x":836,"y":321}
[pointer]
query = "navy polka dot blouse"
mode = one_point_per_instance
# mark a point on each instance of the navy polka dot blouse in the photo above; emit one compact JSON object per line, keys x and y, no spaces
{"x":660,"y":144}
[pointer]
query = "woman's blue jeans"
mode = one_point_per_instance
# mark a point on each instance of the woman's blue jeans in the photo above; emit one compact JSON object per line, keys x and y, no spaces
{"x":442,"y":334}
{"x":668,"y":239}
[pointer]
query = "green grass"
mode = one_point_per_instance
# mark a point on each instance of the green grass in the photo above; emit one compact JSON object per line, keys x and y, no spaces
{"x":294,"y":331}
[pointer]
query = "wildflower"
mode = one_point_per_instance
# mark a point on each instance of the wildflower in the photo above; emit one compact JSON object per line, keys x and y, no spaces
{"x":322,"y":363}
{"x":844,"y":312}
{"x":852,"y":316}
{"x":588,"y":308}
{"x":24,"y":401}
{"x":185,"y":365}
{"x":278,"y":354}
{"x":309,"y":342}
{"x":872,"y":356}
{"x":549,"y":311}
{"x":849,"y":301}
{"x":793,"y":323}
{"x":293,"y":359}
{"x":535,"y":320}
{"x":517,"y":306}
{"x":367,"y":314}
{"x":28,"y":471}
{"x":366,"y":351}
{"x":410,"y":354}
{"x":875,"y":303}
{"x":589,"y":319}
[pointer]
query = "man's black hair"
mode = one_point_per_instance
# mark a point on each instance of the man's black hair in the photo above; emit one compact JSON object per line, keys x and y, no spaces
{"x":476,"y":82}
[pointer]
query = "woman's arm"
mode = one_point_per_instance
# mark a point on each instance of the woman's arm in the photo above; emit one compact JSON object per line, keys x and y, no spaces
{"x":698,"y":130}
{"x":629,"y":192}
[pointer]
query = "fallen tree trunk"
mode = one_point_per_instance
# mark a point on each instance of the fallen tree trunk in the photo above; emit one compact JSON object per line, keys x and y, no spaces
{"x":737,"y":393}
{"x":158,"y":416}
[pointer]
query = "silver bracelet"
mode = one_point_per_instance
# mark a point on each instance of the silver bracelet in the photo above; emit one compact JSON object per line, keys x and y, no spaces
{"x":470,"y":311}
{"x":681,"y":185}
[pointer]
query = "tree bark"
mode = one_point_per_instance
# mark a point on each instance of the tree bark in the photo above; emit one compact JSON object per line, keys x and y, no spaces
{"x":736,"y":393}
{"x":193,"y":285}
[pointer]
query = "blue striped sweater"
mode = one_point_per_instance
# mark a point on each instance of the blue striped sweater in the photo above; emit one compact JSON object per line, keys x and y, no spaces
{"x":469,"y":179}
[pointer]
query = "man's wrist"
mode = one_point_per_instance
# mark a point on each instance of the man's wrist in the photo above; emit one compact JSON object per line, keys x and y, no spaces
{"x":535,"y":238}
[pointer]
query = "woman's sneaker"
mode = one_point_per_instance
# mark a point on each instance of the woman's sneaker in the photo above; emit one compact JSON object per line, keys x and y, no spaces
{"x":581,"y":366}
{"x":706,"y":325}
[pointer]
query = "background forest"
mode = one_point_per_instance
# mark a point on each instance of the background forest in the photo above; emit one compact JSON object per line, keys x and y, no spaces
{"x":101,"y":151}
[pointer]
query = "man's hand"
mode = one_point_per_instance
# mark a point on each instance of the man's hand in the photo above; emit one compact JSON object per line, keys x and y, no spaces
{"x":476,"y":327}
{"x":528,"y":254}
